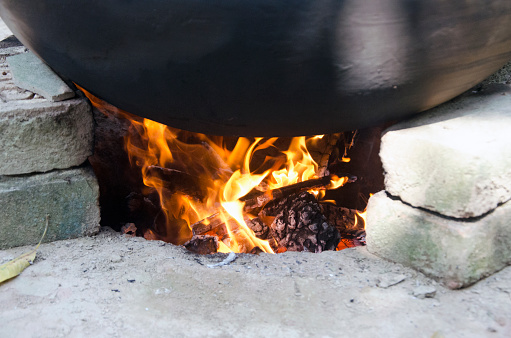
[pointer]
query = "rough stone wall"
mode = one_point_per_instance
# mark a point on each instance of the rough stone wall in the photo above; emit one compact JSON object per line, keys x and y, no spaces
{"x":43,"y":158}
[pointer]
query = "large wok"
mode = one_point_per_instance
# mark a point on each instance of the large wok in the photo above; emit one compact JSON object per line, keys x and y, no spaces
{"x":268,"y":67}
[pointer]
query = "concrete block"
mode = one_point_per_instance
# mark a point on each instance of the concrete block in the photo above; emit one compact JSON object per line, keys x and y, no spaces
{"x":30,"y":73}
{"x":69,"y":197}
{"x":456,"y":252}
{"x":454,"y":159}
{"x":38,"y":136}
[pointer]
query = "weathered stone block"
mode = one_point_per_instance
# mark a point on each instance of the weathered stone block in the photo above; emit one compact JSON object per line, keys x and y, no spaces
{"x":457,"y":252}
{"x":30,"y":73}
{"x":455,"y":159}
{"x":69,"y":197}
{"x":38,"y":136}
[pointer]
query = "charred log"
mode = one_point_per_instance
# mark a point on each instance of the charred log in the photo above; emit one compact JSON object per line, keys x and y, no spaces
{"x":208,"y":224}
{"x":177,"y":181}
{"x":363,"y":150}
{"x":300,"y":226}
{"x":257,"y":199}
{"x":260,"y":229}
{"x":202,"y":244}
{"x":345,"y":220}
{"x":324,"y":161}
{"x":217,"y":224}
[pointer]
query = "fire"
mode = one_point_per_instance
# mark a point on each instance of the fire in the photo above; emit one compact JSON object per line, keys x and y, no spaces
{"x":361,"y":215}
{"x":239,"y":184}
{"x":224,"y":175}
{"x":300,"y":166}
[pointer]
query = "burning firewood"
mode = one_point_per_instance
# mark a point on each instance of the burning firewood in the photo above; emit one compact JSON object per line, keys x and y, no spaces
{"x":332,"y":140}
{"x":257,"y":199}
{"x":345,"y":220}
{"x":260,"y":229}
{"x":349,"y":222}
{"x":299,"y":225}
{"x":216,"y":225}
{"x":311,"y":233}
{"x":209,"y":223}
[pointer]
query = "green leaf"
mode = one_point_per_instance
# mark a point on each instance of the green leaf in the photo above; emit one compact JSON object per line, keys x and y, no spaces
{"x":13,"y":268}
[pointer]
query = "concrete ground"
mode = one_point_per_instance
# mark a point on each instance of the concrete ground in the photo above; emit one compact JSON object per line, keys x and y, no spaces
{"x":114,"y":286}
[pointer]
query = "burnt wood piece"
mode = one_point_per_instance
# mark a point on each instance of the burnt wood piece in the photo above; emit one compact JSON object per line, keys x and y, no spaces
{"x":207,"y":224}
{"x":202,"y":244}
{"x":365,"y":161}
{"x":217,"y":224}
{"x":345,"y":220}
{"x":221,"y":228}
{"x":347,"y":243}
{"x":260,"y":229}
{"x":300,"y":226}
{"x":332,"y":140}
{"x":178,"y":181}
{"x":257,"y":199}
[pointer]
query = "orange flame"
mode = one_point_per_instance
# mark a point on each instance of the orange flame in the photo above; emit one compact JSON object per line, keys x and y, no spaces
{"x":300,"y":165}
{"x":362,"y":215}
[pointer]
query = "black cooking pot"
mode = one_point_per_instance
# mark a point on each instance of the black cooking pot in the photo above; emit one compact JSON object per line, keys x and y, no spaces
{"x":268,"y":67}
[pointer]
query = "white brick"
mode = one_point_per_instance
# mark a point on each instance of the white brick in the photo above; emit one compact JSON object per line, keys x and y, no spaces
{"x":455,"y":159}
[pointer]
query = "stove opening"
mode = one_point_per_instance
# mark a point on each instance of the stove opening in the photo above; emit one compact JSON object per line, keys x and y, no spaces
{"x":234,"y":194}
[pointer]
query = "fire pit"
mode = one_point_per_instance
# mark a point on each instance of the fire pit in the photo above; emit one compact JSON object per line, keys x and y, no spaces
{"x":265,"y":68}
{"x":223,"y":194}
